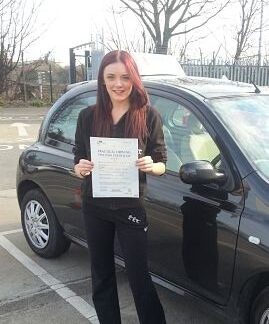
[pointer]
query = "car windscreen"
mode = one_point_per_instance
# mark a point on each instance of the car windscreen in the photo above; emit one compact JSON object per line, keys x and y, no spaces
{"x":247,"y":120}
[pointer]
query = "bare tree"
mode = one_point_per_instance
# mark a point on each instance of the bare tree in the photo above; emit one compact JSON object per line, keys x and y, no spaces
{"x":118,"y":39}
{"x":182,"y":44}
{"x":164,"y":19}
{"x":248,"y":26}
{"x":16,"y":34}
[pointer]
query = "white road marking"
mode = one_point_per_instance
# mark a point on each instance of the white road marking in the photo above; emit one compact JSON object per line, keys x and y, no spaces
{"x":19,"y":230}
{"x":67,"y":294}
{"x":5,"y":118}
{"x":35,"y":118}
{"x":24,"y":117}
{"x":21,"y":128}
{"x":28,"y":139}
{"x":5,"y":147}
{"x":23,"y":146}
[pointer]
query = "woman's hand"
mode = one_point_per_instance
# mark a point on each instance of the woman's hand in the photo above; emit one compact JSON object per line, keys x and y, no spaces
{"x":83,"y":168}
{"x":147,"y":165}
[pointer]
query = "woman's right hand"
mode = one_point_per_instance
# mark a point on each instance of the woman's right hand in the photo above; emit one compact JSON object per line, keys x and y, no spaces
{"x":83,"y":168}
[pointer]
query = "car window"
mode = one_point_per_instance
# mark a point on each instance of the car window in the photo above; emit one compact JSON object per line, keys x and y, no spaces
{"x":62,"y":127}
{"x":186,"y":138}
{"x":197,"y":144}
{"x":252,"y":114}
{"x":166,"y":109}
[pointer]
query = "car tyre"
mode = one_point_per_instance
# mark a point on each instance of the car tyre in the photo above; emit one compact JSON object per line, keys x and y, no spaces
{"x":41,"y":227}
{"x":260,"y":309}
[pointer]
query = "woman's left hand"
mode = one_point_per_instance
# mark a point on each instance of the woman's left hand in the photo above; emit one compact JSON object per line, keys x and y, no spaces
{"x":145,"y":164}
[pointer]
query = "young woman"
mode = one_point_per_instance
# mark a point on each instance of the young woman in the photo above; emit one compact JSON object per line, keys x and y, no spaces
{"x":122,"y":111}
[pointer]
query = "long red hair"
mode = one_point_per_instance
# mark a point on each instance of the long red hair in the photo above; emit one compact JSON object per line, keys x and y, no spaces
{"x":135,"y":125}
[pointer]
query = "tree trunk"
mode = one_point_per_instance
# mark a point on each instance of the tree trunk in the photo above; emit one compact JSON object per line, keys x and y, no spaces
{"x":162,"y":48}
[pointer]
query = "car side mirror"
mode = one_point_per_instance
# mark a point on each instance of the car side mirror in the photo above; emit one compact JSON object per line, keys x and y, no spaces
{"x":200,"y":172}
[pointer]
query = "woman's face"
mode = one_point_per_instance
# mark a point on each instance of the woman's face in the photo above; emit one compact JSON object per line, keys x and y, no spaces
{"x":117,"y":82}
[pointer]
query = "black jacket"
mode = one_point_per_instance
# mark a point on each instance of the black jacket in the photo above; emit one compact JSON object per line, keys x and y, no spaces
{"x":153,"y":145}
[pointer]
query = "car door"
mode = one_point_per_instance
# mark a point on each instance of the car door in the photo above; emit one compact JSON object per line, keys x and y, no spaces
{"x":64,"y":187}
{"x":193,"y":229}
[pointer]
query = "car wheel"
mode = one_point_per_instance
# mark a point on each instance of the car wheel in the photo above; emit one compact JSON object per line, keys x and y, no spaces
{"x":260,"y":310}
{"x":41,"y":227}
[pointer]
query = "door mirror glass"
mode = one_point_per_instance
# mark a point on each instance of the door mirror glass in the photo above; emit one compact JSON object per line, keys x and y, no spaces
{"x":200,"y":172}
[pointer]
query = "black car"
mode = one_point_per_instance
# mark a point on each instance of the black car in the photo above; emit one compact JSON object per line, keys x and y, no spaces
{"x":208,"y":215}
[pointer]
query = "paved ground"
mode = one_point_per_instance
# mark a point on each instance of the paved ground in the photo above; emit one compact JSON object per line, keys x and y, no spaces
{"x":35,"y":290}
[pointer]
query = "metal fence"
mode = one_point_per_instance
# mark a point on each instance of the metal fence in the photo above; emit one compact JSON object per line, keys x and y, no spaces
{"x":243,"y":73}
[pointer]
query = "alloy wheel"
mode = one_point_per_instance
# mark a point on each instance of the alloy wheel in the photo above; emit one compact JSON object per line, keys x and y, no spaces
{"x":265,"y":317}
{"x":37,"y":224}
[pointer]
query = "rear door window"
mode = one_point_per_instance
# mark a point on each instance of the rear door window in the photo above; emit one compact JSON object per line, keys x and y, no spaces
{"x":62,"y":127}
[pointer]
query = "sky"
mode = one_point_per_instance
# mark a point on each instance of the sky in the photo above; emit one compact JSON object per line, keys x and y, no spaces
{"x":68,"y":23}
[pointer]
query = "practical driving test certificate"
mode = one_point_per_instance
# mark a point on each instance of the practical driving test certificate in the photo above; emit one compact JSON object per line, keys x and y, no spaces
{"x":115,"y":173}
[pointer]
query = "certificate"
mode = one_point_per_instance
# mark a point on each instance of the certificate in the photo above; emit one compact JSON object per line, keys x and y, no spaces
{"x":115,"y":173}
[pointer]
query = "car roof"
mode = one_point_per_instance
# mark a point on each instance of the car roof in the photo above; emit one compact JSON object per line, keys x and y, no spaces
{"x":206,"y":88}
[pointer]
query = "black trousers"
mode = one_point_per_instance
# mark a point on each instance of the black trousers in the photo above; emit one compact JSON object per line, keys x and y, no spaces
{"x":131,"y":227}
